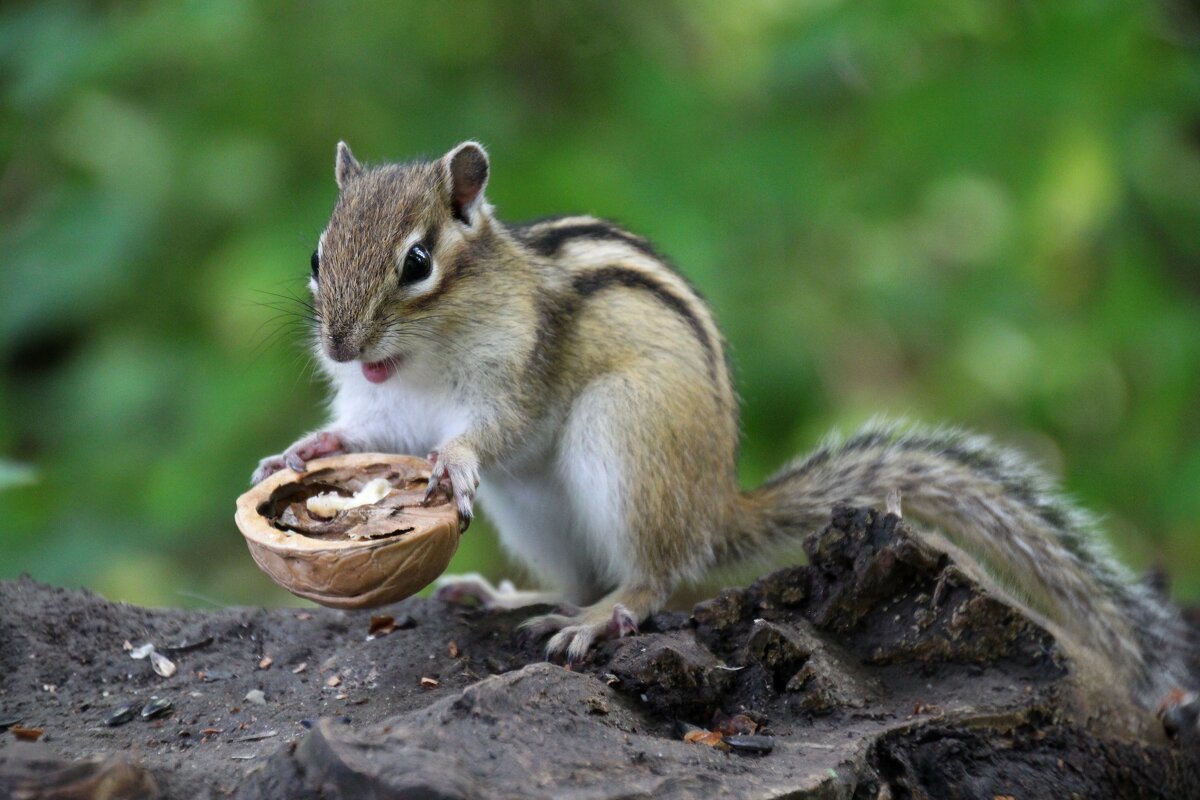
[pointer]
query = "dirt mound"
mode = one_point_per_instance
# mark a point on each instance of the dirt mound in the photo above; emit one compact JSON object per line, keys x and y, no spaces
{"x":879,"y":670}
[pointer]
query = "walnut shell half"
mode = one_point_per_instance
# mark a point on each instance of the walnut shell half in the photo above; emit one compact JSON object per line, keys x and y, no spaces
{"x":363,"y":557}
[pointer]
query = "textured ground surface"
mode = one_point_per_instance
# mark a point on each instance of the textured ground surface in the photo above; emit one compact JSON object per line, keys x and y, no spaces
{"x":875,"y":672}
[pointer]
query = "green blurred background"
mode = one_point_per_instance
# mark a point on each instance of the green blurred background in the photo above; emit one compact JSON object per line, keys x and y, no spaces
{"x":965,"y":210}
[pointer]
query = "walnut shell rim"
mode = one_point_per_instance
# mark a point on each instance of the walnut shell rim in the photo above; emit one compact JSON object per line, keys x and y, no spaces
{"x":351,"y":573}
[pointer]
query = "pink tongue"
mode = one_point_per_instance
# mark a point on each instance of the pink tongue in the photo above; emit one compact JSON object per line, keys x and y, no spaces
{"x":379,"y":371}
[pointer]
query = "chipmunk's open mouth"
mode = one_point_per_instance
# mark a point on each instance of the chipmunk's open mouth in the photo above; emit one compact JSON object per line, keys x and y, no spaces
{"x":380,"y":371}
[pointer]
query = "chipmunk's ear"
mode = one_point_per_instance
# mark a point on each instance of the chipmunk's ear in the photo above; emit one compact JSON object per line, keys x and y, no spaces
{"x":467,"y":170}
{"x":345,"y":167}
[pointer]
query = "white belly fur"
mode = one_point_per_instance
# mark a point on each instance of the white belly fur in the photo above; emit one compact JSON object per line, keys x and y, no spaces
{"x":556,"y":505}
{"x":410,"y":416}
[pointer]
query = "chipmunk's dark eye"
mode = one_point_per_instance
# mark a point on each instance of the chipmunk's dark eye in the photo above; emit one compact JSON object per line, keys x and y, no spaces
{"x":316,"y":265}
{"x":417,"y":264}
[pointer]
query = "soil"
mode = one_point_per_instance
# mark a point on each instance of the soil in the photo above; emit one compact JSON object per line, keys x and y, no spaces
{"x":878,"y":671}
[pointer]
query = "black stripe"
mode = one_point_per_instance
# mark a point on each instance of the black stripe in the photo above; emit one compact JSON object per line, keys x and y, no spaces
{"x":461,"y":264}
{"x":548,"y":241}
{"x":592,"y":281}
{"x":431,"y":238}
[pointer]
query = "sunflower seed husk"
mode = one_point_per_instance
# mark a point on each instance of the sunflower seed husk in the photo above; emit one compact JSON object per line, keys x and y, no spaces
{"x":750,"y":744}
{"x":121,"y":716}
{"x":141,"y":652}
{"x":157,"y":707}
{"x":186,"y":646}
{"x":162,"y":665}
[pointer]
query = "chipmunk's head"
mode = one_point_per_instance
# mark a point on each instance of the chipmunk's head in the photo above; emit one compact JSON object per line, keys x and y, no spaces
{"x":399,"y":239}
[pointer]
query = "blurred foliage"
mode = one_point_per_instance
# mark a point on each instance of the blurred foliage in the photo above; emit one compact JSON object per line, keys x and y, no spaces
{"x":964,"y":210}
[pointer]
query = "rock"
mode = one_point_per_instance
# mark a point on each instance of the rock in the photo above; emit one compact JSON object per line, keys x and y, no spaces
{"x":31,"y":772}
{"x":673,"y":675}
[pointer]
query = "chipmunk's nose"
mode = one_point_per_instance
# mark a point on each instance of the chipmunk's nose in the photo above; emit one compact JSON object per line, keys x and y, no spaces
{"x":342,"y":346}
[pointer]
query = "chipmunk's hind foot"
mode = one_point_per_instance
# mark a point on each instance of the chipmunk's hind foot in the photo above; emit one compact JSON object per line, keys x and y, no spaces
{"x":1180,"y":715}
{"x":617,"y":615}
{"x":462,"y":589}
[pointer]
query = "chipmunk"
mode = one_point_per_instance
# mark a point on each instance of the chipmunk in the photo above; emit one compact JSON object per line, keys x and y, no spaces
{"x":568,"y":374}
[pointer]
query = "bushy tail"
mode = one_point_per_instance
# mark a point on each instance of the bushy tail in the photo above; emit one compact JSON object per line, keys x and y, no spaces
{"x":999,"y":509}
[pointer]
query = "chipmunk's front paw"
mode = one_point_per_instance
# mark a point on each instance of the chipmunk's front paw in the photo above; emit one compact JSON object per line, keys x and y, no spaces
{"x":317,"y":445}
{"x":456,"y":475}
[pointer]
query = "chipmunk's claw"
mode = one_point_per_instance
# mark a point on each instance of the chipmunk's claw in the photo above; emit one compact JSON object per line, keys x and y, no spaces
{"x":541,"y":626}
{"x":576,"y":634}
{"x":623,"y":623}
{"x":455,"y":481}
{"x":295,"y":458}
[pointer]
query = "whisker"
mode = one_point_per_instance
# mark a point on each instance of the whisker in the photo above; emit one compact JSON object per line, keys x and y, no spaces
{"x":271,"y":331}
{"x":295,"y":319}
{"x":396,"y":336}
{"x":287,"y":298}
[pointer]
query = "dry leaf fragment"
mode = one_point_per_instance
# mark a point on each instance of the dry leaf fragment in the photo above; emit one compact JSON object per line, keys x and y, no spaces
{"x":430,"y":683}
{"x":303,"y":665}
{"x":381,"y":625}
{"x":453,"y":649}
{"x":26,"y":734}
{"x":265,"y":662}
{"x":735,"y":725}
{"x":710,"y":738}
{"x":304,"y":615}
{"x":333,"y":680}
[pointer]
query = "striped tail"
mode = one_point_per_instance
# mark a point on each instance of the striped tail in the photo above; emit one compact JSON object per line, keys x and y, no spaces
{"x":1000,"y":510}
